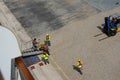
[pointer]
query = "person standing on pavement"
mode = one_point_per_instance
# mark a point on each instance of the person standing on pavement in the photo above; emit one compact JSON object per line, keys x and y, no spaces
{"x":45,"y":57}
{"x":47,"y":41}
{"x":35,"y":44}
{"x":79,"y":64}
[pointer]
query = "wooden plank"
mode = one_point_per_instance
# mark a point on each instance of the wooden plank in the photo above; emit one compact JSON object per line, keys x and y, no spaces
{"x":21,"y":66}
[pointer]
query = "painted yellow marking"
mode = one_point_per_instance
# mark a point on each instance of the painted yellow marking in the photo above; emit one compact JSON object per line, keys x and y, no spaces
{"x":65,"y":75}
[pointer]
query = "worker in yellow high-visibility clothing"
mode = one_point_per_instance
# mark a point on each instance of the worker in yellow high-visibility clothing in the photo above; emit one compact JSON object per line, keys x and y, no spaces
{"x":41,"y":46}
{"x":47,"y":37}
{"x":45,"y":58}
{"x":79,"y":64}
{"x":47,"y":41}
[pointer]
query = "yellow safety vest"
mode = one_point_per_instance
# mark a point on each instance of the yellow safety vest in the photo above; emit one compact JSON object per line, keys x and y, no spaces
{"x":48,"y":37}
{"x":45,"y":56}
{"x":79,"y":64}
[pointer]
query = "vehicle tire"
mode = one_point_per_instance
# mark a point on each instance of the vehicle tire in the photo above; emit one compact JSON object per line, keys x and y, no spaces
{"x":113,"y":32}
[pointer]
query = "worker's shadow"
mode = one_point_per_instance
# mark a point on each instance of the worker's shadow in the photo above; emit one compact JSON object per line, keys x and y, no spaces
{"x":77,"y":69}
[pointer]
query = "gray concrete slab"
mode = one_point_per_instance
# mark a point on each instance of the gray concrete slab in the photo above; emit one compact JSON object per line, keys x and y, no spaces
{"x":41,"y":16}
{"x":76,"y":40}
{"x":104,"y":5}
{"x":8,"y":20}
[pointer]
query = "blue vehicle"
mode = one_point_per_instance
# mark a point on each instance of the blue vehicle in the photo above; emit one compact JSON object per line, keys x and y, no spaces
{"x":112,"y":25}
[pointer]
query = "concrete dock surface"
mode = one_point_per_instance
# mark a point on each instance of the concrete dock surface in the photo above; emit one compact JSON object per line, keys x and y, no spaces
{"x":73,"y":26}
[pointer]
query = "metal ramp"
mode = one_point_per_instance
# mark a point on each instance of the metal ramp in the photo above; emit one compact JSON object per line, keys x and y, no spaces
{"x":31,"y":52}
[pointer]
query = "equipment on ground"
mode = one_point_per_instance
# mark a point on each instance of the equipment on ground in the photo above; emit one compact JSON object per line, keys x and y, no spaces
{"x":112,"y":25}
